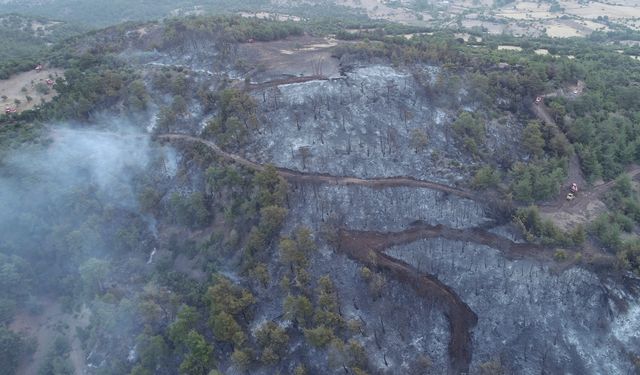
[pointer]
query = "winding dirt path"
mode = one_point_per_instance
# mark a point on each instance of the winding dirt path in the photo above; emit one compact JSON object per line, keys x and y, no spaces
{"x":381,"y":241}
{"x":588,"y":203}
{"x":574,"y":172}
{"x":360,"y":247}
{"x":369,"y":247}
{"x":301,"y":177}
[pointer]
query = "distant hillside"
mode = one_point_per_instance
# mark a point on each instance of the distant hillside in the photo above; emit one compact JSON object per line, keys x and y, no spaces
{"x":83,"y":12}
{"x":116,"y":11}
{"x":22,"y":39}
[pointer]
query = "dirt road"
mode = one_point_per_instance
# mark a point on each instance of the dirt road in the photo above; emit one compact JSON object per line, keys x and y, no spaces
{"x":368,"y":249}
{"x":588,"y":203}
{"x":586,"y":196}
{"x":574,"y":173}
{"x":565,"y":213}
{"x":301,"y":177}
{"x":460,"y":316}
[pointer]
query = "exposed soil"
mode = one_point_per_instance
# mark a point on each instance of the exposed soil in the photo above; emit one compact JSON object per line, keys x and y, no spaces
{"x":24,"y":84}
{"x":301,"y":177}
{"x":462,"y":319}
{"x":594,"y":9}
{"x":511,"y":250}
{"x":586,"y":206}
{"x":586,"y":196}
{"x":294,"y":56}
{"x":379,"y":10}
{"x":574,"y":172}
{"x":369,"y":248}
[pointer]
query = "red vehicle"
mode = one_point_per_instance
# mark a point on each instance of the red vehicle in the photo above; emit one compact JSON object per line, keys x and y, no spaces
{"x":574,"y":188}
{"x":573,"y":192}
{"x":49,"y":82}
{"x":9,"y":110}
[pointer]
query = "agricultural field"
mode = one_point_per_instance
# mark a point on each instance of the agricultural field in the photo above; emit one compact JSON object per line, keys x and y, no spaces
{"x":558,"y":19}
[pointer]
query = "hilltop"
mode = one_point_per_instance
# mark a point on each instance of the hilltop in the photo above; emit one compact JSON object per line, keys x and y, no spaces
{"x":236,"y":194}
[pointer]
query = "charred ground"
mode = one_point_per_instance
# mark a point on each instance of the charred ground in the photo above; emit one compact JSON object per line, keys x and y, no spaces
{"x":357,"y":206}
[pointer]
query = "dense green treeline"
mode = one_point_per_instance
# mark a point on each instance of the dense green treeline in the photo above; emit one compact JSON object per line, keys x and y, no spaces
{"x":602,"y":123}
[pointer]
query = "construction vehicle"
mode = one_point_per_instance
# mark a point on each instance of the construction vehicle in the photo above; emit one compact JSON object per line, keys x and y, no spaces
{"x":573,"y":192}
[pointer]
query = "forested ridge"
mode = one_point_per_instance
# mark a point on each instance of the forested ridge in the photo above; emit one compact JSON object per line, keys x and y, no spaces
{"x":178,"y":261}
{"x":24,"y":40}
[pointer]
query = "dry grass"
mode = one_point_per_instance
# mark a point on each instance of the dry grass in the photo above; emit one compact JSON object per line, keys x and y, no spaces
{"x":19,"y":86}
{"x":593,"y":10}
{"x":558,"y":30}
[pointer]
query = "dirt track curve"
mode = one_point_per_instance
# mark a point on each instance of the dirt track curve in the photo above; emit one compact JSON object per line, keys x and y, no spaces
{"x":460,"y":316}
{"x":369,"y":248}
{"x":295,"y":176}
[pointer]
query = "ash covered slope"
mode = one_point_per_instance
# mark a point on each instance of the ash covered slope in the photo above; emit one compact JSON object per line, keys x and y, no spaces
{"x":375,"y":121}
{"x":532,"y":317}
{"x":323,"y":274}
{"x":362,"y":125}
